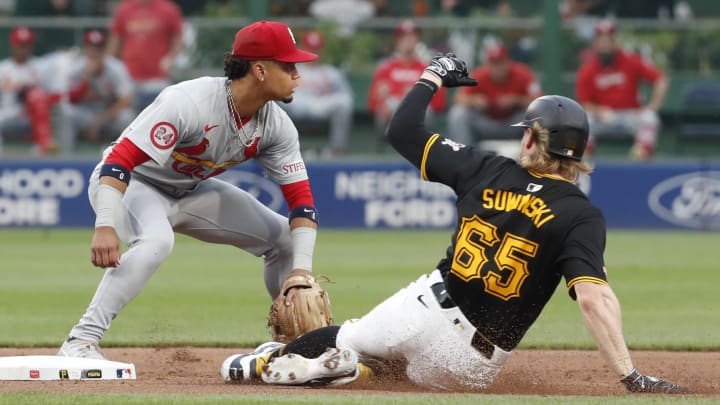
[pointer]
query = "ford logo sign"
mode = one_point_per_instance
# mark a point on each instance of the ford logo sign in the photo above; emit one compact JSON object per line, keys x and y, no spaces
{"x":264,"y":190}
{"x":691,"y":200}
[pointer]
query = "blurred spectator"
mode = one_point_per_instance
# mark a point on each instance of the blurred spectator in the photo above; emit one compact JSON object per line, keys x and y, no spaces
{"x":100,"y":96}
{"x":396,"y":75}
{"x":147,"y":36}
{"x":324,"y":95}
{"x":504,"y":90}
{"x":608,"y":84}
{"x":24,"y":105}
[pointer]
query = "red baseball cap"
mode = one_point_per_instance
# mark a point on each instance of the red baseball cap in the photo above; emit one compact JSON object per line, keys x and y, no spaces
{"x":496,"y":53}
{"x":605,"y":27}
{"x":21,"y":36}
{"x":407,"y":27}
{"x":313,"y":40}
{"x":269,"y":40}
{"x":94,"y":38}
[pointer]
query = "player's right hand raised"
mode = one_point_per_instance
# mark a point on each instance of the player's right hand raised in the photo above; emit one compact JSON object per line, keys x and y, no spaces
{"x":105,"y":247}
{"x":451,"y":70}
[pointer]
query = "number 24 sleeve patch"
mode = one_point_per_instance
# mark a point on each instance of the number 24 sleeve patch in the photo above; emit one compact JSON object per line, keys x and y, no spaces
{"x":163,"y":135}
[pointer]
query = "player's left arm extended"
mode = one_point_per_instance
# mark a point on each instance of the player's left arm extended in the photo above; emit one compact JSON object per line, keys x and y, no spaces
{"x":303,"y":226}
{"x":406,"y":131}
{"x":601,"y":312}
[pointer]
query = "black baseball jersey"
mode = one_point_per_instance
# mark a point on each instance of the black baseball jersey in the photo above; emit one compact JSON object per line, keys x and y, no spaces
{"x":518,"y":232}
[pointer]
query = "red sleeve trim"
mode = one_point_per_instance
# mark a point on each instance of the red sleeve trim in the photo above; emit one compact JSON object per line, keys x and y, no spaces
{"x":297,"y":194}
{"x":127,"y":155}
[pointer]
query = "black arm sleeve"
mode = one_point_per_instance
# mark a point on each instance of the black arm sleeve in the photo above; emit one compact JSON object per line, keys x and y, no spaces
{"x":406,"y":130}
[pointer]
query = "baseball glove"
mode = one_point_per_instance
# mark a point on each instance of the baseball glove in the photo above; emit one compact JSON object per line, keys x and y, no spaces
{"x":309,"y":309}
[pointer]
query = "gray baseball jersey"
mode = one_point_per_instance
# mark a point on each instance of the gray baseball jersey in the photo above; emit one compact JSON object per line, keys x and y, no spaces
{"x":112,"y":83}
{"x":14,"y":76}
{"x":190,"y":134}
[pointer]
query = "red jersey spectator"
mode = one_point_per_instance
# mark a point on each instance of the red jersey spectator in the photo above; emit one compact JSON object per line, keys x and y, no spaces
{"x":24,"y":104}
{"x":147,"y":36}
{"x":608,"y":87}
{"x":504,"y":90}
{"x":395,"y":76}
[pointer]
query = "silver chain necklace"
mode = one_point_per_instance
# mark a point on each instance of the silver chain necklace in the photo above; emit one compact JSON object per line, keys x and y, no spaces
{"x":240,"y":129}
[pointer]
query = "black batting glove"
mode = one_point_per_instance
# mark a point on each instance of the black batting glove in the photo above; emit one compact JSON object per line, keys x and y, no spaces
{"x":451,"y":70}
{"x":636,"y":382}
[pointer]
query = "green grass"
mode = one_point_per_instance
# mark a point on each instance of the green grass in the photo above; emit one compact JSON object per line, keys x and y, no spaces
{"x":335,"y":399}
{"x":211,"y":295}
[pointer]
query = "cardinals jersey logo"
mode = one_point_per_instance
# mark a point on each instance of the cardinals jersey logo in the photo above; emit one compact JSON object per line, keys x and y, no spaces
{"x":251,"y":150}
{"x":198,"y":149}
{"x":163,"y":135}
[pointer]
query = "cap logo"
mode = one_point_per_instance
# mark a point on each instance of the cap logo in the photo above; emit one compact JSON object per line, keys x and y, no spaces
{"x":291,"y":35}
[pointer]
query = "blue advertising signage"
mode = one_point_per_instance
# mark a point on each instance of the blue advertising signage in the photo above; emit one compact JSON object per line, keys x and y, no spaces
{"x":652,"y":196}
{"x":384,"y":194}
{"x":44,"y":194}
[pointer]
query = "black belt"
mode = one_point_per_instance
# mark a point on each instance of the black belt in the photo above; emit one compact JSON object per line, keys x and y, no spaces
{"x":479,"y":342}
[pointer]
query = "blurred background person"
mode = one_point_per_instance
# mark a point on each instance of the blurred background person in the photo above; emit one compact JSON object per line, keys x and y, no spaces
{"x":323,"y":96}
{"x":25,"y":107}
{"x":395,"y":76}
{"x":100,"y":97}
{"x":608,"y":86}
{"x":147,"y":36}
{"x":505,"y":88}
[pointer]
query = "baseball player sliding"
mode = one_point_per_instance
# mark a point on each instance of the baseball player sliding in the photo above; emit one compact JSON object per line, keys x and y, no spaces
{"x":522,"y":226}
{"x":157,"y":179}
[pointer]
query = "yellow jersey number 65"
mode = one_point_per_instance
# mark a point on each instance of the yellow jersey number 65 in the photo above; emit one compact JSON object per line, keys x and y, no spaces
{"x":503,"y":280}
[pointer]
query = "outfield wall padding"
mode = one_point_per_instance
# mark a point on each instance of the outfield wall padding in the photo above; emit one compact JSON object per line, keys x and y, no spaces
{"x":658,"y":195}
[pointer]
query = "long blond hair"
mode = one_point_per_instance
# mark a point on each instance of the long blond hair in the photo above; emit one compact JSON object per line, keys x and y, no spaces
{"x":542,"y":161}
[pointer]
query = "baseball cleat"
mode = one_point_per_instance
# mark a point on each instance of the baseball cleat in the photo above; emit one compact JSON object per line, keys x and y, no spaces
{"x":293,"y":369}
{"x":75,"y":347}
{"x":247,"y":367}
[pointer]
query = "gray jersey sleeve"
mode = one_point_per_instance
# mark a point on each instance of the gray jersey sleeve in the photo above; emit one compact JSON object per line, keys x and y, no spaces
{"x":170,"y":119}
{"x":281,"y":158}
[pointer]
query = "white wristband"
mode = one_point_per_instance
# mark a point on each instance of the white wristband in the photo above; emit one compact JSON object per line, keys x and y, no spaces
{"x":303,"y":241}
{"x":108,"y":201}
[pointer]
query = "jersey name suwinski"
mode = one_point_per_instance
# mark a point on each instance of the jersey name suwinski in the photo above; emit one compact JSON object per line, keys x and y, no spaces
{"x":529,"y":205}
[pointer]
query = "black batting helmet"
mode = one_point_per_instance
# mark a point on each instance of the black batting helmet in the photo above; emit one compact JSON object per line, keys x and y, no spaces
{"x":566,"y":121}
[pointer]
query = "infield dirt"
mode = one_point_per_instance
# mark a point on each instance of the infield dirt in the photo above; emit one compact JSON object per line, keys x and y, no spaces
{"x":530,"y":372}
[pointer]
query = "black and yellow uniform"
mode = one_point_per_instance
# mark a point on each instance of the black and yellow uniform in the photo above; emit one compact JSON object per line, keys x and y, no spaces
{"x":518,"y":232}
